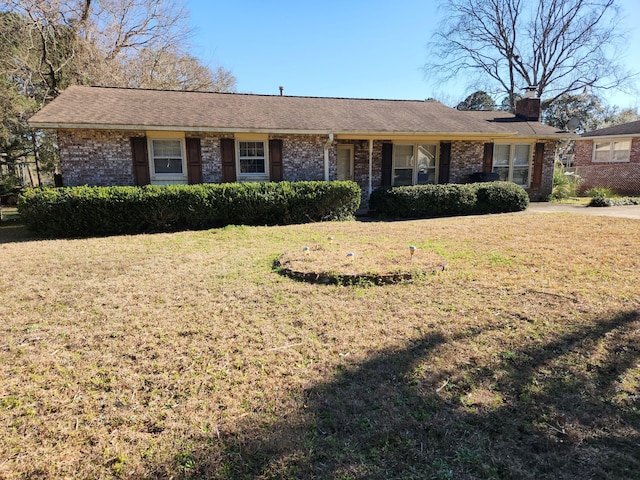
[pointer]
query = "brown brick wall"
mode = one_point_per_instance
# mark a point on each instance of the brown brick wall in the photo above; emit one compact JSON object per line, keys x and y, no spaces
{"x":104,"y":158}
{"x":466,"y":158}
{"x":542,"y":193}
{"x":582,"y":153}
{"x":211,"y":157}
{"x":621,"y":177}
{"x":89,"y":157}
{"x":303,"y":157}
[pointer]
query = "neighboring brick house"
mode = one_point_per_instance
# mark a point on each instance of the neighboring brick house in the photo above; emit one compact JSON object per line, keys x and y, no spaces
{"x":115,"y":136}
{"x":610,"y":157}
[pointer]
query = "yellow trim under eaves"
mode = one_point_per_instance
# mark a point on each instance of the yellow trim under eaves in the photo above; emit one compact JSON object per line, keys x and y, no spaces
{"x":164,"y":134}
{"x":398,"y":136}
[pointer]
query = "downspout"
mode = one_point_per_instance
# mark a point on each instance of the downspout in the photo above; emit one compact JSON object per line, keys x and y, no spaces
{"x":327,"y":145}
{"x":370,"y":165}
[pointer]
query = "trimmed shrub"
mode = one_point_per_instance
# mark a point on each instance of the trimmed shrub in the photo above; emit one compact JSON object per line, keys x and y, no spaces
{"x":603,"y":201}
{"x":500,"y":197}
{"x":90,"y":211}
{"x":422,"y":201}
{"x":599,"y":200}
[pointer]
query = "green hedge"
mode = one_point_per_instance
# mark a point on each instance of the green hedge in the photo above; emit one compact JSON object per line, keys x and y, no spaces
{"x":602,"y":201}
{"x":420,"y":201}
{"x":90,"y":211}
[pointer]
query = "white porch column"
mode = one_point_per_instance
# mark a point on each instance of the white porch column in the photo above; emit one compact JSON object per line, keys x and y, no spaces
{"x":327,"y":145}
{"x":370,"y":165}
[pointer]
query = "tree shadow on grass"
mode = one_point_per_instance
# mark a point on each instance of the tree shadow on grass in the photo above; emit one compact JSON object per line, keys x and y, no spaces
{"x":534,"y":413}
{"x":14,"y":232}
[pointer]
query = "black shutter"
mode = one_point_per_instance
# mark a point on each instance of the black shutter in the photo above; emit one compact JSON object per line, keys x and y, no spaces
{"x":387,"y":160}
{"x":275,"y":160}
{"x":140,"y":161}
{"x":194,"y":160}
{"x":228,"y":152}
{"x":445,"y":162}
{"x":487,"y":159}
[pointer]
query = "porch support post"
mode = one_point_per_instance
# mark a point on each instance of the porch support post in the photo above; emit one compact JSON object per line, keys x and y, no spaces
{"x":327,"y":145}
{"x":370,"y":165}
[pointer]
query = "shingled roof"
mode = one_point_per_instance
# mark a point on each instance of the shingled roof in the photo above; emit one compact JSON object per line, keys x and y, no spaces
{"x":626,"y":129}
{"x":130,"y":109}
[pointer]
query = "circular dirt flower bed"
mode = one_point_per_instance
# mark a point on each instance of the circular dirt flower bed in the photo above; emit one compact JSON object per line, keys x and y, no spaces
{"x":364,"y":264}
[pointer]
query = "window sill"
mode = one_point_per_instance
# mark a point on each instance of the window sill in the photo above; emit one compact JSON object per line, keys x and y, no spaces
{"x":253,"y":178}
{"x":610,"y":161}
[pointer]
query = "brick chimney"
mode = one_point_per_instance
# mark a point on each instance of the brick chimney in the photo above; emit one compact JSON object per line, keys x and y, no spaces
{"x":528,"y":108}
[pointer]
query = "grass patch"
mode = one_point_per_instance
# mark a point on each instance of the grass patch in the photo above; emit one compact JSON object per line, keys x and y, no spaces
{"x":9,"y":214}
{"x":184,"y":355}
{"x":572,"y":201}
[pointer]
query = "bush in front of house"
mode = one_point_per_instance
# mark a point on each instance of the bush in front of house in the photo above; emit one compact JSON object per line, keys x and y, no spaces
{"x":500,"y":197}
{"x":93,"y":211}
{"x":605,"y":197}
{"x":421,"y":201}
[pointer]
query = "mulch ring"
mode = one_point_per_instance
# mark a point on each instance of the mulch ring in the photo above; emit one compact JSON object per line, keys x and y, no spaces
{"x":368,"y":264}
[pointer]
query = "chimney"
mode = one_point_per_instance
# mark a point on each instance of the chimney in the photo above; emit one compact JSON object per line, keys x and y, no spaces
{"x":528,"y":107}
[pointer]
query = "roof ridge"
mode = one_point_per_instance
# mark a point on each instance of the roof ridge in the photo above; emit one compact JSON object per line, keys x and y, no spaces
{"x":249,"y":94}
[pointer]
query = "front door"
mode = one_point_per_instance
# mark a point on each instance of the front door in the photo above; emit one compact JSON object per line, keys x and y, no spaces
{"x":345,"y":162}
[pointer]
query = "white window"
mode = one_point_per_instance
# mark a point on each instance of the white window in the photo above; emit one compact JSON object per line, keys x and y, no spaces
{"x":252,"y":163}
{"x":414,"y":164}
{"x":613,"y":151}
{"x":167,"y":160}
{"x":512,"y":162}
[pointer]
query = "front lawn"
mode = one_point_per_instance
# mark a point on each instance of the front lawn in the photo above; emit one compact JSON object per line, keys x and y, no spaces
{"x":186,"y":355}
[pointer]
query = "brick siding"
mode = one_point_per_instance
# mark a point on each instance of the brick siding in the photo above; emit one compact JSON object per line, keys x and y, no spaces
{"x":548,"y":162}
{"x":103,"y":157}
{"x":303,"y":157}
{"x":96,"y":157}
{"x":621,"y":177}
{"x":466,"y":159}
{"x":211,"y":157}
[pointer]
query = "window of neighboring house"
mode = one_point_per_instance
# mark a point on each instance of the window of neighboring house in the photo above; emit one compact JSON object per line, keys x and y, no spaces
{"x":512,"y":162}
{"x":252,"y":159}
{"x":613,"y":151}
{"x":167,"y":160}
{"x":414,"y":164}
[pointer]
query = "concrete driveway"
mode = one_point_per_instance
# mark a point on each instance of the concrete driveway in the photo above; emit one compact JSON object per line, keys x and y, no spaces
{"x":627,"y":211}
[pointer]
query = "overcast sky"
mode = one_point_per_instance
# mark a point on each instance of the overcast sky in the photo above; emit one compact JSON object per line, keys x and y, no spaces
{"x":346,"y":48}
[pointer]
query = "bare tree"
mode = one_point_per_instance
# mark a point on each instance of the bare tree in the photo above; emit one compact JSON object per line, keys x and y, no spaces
{"x":88,"y":41}
{"x":170,"y":69}
{"x":46,"y":45}
{"x":560,"y":46}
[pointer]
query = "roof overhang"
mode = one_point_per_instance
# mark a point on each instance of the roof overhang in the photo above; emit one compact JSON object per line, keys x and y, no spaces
{"x":610,"y":137}
{"x":342,"y":135}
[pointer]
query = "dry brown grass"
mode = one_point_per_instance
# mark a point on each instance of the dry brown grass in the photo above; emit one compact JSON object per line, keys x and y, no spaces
{"x":185,"y":355}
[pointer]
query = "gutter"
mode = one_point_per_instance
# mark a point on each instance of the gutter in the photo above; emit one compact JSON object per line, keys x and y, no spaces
{"x":628,"y":136}
{"x":327,"y":145}
{"x":346,"y":135}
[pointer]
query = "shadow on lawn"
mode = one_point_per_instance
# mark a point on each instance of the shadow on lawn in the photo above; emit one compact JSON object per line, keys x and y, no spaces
{"x":12,"y":231}
{"x":379,"y":420}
